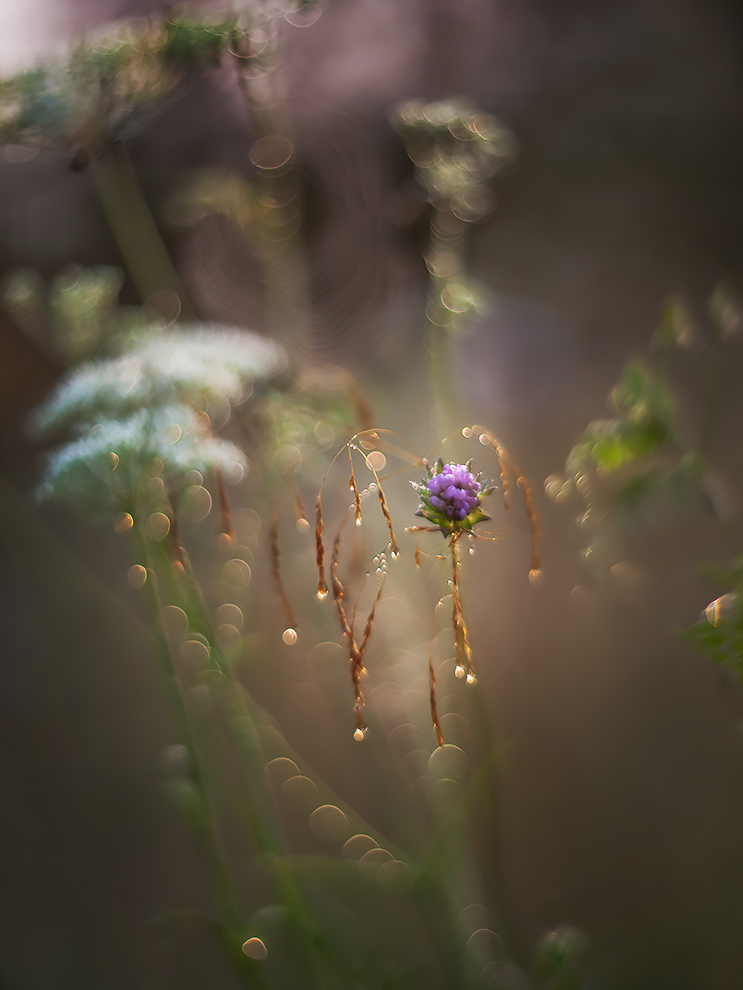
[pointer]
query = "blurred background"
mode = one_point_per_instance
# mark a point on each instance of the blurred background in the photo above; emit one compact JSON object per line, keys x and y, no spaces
{"x":622,"y":790}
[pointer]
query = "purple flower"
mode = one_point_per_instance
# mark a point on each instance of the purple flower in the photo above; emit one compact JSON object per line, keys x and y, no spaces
{"x":454,"y":491}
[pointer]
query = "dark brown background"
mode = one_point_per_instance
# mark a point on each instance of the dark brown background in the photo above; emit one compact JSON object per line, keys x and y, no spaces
{"x":623,"y":804}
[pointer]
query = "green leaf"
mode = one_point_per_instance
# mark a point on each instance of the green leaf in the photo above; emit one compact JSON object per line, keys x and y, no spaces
{"x":613,"y":443}
{"x":640,"y":395}
{"x":633,"y":493}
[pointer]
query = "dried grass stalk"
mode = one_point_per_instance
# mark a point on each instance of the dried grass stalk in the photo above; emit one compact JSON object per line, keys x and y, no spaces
{"x":394,"y":549}
{"x":273,"y":537}
{"x":505,"y":462}
{"x":461,"y":636}
{"x":531,"y":515}
{"x":300,"y":511}
{"x":339,"y":591}
{"x":225,"y":516}
{"x":322,"y":588}
{"x":354,"y":488}
{"x":356,"y":650}
{"x":370,"y":620}
{"x":434,"y":709}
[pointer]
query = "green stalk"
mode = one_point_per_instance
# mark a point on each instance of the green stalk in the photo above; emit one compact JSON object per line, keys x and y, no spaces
{"x":134,"y":228}
{"x":487,"y":778}
{"x":205,"y":827}
{"x":285,"y":278}
{"x":241,"y":721}
{"x":447,"y":232}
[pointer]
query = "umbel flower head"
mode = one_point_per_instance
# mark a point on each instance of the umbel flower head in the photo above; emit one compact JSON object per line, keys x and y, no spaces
{"x":451,"y":496}
{"x":150,"y":413}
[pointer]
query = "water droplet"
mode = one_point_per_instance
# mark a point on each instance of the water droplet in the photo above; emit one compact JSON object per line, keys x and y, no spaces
{"x":373,"y":486}
{"x":300,"y":792}
{"x":281,"y":769}
{"x":359,"y":735}
{"x":484,"y":439}
{"x":289,"y":636}
{"x":485,"y":942}
{"x":255,"y":948}
{"x":157,"y":526}
{"x":156,"y":488}
{"x":196,"y":503}
{"x":228,"y":636}
{"x":229,"y":613}
{"x":324,"y":433}
{"x":553,"y":486}
{"x":536,"y":577}
{"x":193,"y":655}
{"x":467,"y":432}
{"x":225,"y":541}
{"x":372,"y":860}
{"x":376,"y":460}
{"x":123,"y":523}
{"x":358,"y":845}
{"x":303,"y":526}
{"x":375,"y":562}
{"x":322,"y":593}
{"x":627,"y":573}
{"x":114,"y":460}
{"x":447,"y":762}
{"x":237,"y":573}
{"x":136,"y":575}
{"x":328,"y":822}
{"x":459,"y":670}
{"x":721,"y":608}
{"x":174,"y":622}
{"x":172,"y":433}
{"x":395,"y":554}
{"x":471,"y":679}
{"x":472,"y":551}
{"x":358,"y":520}
{"x":233,"y":473}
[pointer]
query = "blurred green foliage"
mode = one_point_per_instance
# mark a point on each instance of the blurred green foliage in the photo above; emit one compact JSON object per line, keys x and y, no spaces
{"x":640,"y":462}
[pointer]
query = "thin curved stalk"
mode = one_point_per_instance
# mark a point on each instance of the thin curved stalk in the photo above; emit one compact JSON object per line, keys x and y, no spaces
{"x":134,"y":228}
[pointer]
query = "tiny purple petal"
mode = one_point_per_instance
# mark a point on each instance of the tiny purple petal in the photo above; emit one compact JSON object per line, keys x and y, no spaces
{"x":454,"y":492}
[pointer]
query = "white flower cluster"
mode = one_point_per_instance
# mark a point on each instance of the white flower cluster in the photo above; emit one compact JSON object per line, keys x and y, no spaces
{"x":189,"y":364}
{"x":143,"y":415}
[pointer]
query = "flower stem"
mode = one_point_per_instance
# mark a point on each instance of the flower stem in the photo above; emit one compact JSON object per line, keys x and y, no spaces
{"x":204,"y":823}
{"x":241,"y":721}
{"x":134,"y":228}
